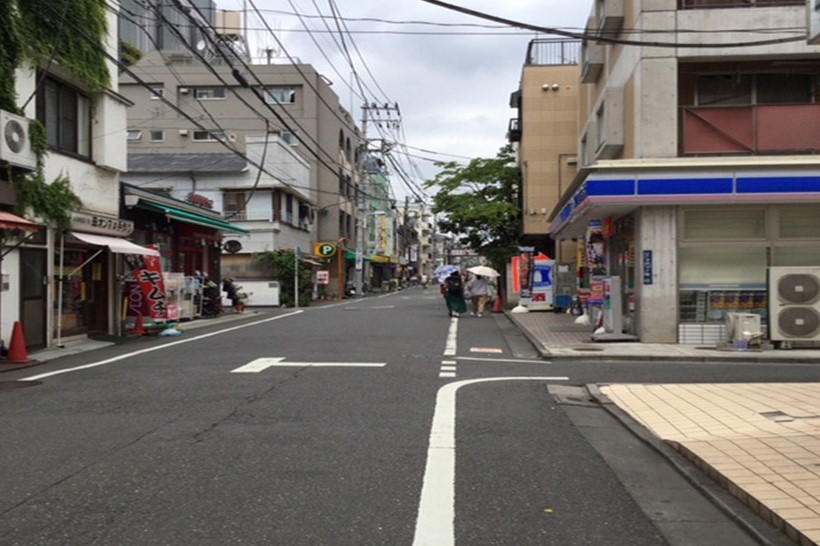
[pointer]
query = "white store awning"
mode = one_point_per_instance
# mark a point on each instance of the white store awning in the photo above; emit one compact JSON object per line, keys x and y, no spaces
{"x":115,"y":244}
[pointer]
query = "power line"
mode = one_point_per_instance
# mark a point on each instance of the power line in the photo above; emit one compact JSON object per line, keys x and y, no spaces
{"x":601,"y":37}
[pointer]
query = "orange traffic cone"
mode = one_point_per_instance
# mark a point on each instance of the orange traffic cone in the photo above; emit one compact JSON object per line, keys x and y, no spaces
{"x":498,"y":305}
{"x":18,"y":354}
{"x":139,"y":327}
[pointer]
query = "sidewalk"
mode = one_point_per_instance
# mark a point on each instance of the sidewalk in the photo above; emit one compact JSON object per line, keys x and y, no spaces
{"x":761,"y":442}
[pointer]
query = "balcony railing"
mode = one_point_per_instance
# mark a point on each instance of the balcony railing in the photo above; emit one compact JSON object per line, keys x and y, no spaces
{"x":546,"y":52}
{"x":751,"y":130}
{"x":718,"y":4}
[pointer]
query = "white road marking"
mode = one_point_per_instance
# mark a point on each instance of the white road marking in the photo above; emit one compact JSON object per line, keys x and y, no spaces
{"x":261,"y":364}
{"x":448,"y":361}
{"x":490,"y":359}
{"x":448,"y":368}
{"x":447,"y":374}
{"x":485,"y":350}
{"x":436,"y":518}
{"x":157,"y":347}
{"x":452,"y":336}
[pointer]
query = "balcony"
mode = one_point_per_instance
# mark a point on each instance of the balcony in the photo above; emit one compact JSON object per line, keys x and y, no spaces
{"x":751,"y":130}
{"x":719,"y":4}
{"x":514,"y":130}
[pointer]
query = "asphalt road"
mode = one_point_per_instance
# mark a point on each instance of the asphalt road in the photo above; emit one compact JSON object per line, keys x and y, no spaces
{"x":347,"y":424}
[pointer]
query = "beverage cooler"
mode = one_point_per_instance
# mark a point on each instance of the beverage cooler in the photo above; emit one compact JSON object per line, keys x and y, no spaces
{"x":712,"y":304}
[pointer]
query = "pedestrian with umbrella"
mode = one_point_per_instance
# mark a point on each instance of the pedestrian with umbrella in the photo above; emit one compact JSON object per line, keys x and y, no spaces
{"x":453,"y":289}
{"x":479,"y":290}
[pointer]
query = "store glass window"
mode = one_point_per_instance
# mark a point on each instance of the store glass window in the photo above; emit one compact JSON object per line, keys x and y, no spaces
{"x":720,"y":280}
{"x":721,"y":224}
{"x":799,"y":223}
{"x":796,"y":256}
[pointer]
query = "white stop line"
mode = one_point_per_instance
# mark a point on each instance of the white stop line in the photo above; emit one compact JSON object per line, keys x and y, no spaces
{"x":435,"y":523}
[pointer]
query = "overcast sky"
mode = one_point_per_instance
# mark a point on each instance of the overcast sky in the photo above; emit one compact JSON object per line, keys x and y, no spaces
{"x":453,"y":88}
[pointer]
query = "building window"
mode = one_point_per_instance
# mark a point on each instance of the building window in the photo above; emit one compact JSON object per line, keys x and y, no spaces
{"x":280,"y":95}
{"x":157,"y":136}
{"x":289,"y":209}
{"x":209,"y":93}
{"x":157,"y":92}
{"x":784,"y":88}
{"x":210,"y":136}
{"x":66,"y":114}
{"x":134,"y":134}
{"x":234,"y":205}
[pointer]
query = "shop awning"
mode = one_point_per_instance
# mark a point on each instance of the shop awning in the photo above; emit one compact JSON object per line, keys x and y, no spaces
{"x":115,"y":244}
{"x":195,"y":219}
{"x":12,"y":221}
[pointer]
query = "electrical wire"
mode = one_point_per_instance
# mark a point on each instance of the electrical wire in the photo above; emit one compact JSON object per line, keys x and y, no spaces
{"x":173,"y":106}
{"x":601,"y":37}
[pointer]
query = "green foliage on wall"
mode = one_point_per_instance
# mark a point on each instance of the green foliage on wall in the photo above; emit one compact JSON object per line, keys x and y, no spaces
{"x":73,"y":32}
{"x":10,"y":49}
{"x":52,"y":202}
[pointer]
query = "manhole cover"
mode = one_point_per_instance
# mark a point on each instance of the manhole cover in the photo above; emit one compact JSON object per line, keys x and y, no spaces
{"x":588,"y":349}
{"x":9,"y":385}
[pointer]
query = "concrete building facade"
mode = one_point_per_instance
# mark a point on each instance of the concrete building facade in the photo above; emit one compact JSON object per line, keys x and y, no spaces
{"x":698,"y":167}
{"x":211,"y":112}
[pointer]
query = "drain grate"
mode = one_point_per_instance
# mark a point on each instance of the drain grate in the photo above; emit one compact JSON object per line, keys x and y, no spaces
{"x":11,"y":385}
{"x":588,"y":349}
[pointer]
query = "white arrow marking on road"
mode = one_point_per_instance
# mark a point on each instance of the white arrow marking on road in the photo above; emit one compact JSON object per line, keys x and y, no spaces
{"x":261,"y":364}
{"x":435,"y":523}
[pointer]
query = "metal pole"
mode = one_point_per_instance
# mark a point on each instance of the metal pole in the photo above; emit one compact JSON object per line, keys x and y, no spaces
{"x":296,"y":278}
{"x":60,"y":292}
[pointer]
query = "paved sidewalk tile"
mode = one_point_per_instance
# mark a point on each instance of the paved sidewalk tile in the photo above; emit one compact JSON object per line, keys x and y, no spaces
{"x":761,"y":441}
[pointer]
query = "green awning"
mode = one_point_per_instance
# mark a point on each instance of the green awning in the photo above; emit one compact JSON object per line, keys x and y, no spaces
{"x":195,"y":219}
{"x":350,"y":255}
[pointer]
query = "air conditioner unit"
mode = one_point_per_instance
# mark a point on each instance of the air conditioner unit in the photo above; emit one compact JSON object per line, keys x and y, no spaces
{"x":794,"y":303}
{"x":15,"y":146}
{"x":741,"y":326}
{"x":183,"y":132}
{"x":183,"y":90}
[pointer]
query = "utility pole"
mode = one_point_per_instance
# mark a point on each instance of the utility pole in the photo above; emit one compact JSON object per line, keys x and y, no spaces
{"x":384,"y":114}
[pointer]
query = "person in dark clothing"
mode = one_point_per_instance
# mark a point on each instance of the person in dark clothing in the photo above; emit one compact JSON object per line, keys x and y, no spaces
{"x":454,"y":294}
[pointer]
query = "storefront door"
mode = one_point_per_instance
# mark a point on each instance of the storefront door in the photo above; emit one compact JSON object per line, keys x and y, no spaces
{"x":33,"y":277}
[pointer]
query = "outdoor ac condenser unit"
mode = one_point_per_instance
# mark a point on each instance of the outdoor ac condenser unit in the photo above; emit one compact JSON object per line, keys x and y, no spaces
{"x":741,"y":326}
{"x":794,"y":303}
{"x":15,"y":146}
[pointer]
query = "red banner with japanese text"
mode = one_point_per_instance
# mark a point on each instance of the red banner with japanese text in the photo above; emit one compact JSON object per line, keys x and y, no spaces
{"x":145,"y":292}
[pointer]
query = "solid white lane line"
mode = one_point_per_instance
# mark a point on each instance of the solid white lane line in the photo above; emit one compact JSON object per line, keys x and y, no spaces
{"x":436,"y":518}
{"x":452,"y":336}
{"x":157,"y":348}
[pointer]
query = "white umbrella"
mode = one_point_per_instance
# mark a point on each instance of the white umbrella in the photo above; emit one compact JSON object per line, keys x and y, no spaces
{"x":484,"y":271}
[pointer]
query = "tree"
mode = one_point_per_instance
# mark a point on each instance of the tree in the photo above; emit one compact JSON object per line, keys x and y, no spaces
{"x":282,"y":262}
{"x":479,"y":203}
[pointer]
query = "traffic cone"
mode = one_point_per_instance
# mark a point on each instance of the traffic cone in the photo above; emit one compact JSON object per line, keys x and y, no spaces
{"x":18,"y":354}
{"x":139,"y":327}
{"x":498,"y":305}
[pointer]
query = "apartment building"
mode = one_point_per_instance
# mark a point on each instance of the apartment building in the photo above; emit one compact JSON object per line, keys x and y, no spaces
{"x":62,"y":281}
{"x":545,"y":133}
{"x":285,"y":118}
{"x":698,"y":159}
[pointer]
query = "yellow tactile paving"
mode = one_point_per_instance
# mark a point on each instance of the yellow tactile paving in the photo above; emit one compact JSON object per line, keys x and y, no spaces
{"x":762,"y":441}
